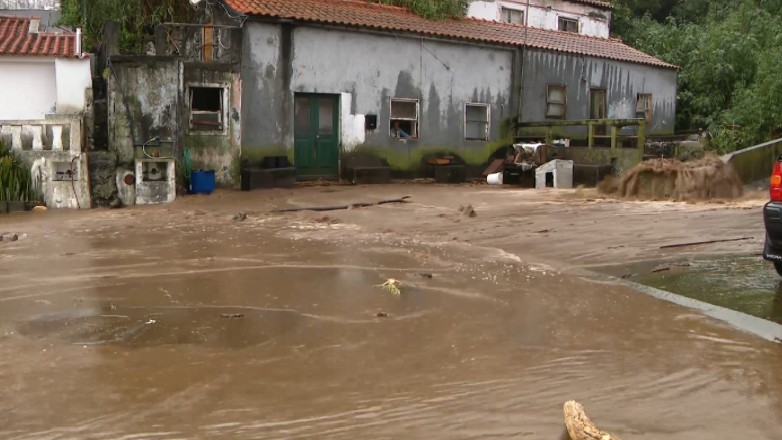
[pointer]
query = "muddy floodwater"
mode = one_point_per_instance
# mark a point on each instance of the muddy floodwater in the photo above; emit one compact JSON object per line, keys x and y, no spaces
{"x":742,"y":282}
{"x":179,"y":322}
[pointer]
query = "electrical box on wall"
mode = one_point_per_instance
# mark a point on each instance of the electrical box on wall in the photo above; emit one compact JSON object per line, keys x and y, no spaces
{"x":370,"y":122}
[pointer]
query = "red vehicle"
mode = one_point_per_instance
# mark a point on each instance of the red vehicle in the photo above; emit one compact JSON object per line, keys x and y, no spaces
{"x":772,"y":218}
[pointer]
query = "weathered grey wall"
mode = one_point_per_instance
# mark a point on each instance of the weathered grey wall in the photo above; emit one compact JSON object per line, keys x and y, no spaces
{"x":152,"y":87}
{"x":367,"y":70}
{"x":216,"y":151}
{"x":621,"y":80}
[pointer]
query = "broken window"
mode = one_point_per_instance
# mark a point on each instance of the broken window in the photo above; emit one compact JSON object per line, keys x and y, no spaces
{"x":206,"y":108}
{"x":568,"y":25}
{"x":556,"y":99}
{"x":404,"y":118}
{"x":643,"y":107}
{"x":512,"y":16}
{"x":476,"y":122}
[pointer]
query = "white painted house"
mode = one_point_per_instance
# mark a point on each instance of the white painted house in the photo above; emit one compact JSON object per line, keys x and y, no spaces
{"x":41,"y":73}
{"x":583,"y":17}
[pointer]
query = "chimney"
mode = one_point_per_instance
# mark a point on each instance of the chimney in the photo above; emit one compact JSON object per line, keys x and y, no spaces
{"x":35,"y":23}
{"x":78,"y":42}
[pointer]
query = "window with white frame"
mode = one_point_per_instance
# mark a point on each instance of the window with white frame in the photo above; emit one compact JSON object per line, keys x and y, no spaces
{"x":556,"y":101}
{"x":512,"y":16}
{"x":568,"y":25}
{"x":404,"y":119}
{"x":476,"y":122}
{"x":643,"y":107}
{"x":206,"y":108}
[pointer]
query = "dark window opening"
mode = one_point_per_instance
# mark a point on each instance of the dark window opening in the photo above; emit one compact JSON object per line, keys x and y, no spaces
{"x":402,"y":129}
{"x":568,"y":25}
{"x":549,"y":180}
{"x":476,"y":122}
{"x":206,"y":108}
{"x":643,"y":107}
{"x":556,"y":100}
{"x":404,"y":119}
{"x":512,"y":16}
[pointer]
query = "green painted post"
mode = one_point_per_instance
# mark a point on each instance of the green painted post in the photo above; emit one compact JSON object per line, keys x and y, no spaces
{"x":641,"y":139}
{"x":549,"y":140}
{"x":591,"y":135}
{"x":614,"y":135}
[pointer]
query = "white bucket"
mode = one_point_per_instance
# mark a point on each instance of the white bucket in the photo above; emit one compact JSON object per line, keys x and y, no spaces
{"x":494,"y":179}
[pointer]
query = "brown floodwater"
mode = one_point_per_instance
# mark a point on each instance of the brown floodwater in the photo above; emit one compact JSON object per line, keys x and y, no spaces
{"x":177,"y":323}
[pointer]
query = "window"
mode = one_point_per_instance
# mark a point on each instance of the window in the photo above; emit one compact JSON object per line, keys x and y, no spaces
{"x":404,"y":118}
{"x":643,"y":107}
{"x":476,"y":122}
{"x":206,"y":108}
{"x":512,"y":16}
{"x":556,"y":100}
{"x":568,"y":25}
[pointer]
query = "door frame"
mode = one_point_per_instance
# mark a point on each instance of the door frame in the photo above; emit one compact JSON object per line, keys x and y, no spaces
{"x":600,"y":130}
{"x":337,"y":132}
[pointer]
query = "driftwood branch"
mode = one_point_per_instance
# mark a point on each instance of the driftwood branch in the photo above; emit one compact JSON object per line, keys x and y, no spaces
{"x":579,"y":427}
{"x":338,"y":207}
{"x":697,"y":243}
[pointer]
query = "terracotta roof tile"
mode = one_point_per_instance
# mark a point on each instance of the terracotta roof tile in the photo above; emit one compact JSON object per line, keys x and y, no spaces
{"x":378,"y":16}
{"x":15,"y":39}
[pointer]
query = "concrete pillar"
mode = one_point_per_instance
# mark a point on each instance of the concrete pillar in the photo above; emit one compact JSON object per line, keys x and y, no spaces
{"x":57,"y":137}
{"x":35,"y":131}
{"x":161,"y":42}
{"x":111,"y":37}
{"x":76,"y":137}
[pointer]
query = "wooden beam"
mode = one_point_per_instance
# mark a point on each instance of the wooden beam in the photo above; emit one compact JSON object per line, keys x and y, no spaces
{"x":641,"y":140}
{"x":591,"y":135}
{"x":614,"y":134}
{"x":607,"y":122}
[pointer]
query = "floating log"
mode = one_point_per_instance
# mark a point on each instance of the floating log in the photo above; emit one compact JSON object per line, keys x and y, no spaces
{"x":579,"y":427}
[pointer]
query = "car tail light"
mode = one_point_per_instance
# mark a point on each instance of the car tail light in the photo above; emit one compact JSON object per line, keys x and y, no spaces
{"x":776,"y":183}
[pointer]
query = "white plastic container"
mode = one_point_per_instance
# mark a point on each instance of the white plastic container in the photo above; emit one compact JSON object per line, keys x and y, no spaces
{"x":494,"y":179}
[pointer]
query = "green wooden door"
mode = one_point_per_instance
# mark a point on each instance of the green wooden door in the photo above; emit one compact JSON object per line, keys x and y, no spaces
{"x":316,"y":138}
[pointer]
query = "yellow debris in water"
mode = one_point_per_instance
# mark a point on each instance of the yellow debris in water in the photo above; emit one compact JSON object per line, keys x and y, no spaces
{"x":392,"y":286}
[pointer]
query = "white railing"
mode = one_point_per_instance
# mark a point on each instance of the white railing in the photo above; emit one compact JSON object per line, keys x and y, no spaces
{"x":55,"y":133}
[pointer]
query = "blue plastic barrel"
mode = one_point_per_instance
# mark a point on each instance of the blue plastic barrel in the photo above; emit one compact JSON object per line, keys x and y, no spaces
{"x":202,"y":181}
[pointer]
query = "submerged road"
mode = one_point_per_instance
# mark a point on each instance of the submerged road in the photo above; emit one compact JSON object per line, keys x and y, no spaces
{"x":178,"y":322}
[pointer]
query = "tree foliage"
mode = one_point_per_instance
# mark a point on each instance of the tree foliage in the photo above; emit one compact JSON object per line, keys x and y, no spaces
{"x":432,"y":9}
{"x":731,"y":72}
{"x":137,"y":19}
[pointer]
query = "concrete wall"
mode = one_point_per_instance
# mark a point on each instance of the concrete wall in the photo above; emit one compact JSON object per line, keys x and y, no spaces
{"x":157,"y":92}
{"x":28,"y":87}
{"x":755,"y":163}
{"x":219,"y":150}
{"x":73,"y":77}
{"x":366,"y":70}
{"x":621,"y":80}
{"x":152,"y":87}
{"x":545,"y":14}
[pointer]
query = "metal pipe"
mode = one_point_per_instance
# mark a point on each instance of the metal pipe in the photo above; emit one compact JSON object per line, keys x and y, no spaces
{"x":523,"y":57}
{"x":78,"y":42}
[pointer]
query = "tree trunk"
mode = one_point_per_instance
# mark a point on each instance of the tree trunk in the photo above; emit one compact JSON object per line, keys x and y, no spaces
{"x":579,"y":426}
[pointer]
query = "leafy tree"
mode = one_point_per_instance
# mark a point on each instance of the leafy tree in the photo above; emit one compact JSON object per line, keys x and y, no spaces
{"x":137,"y":19}
{"x":729,"y":52}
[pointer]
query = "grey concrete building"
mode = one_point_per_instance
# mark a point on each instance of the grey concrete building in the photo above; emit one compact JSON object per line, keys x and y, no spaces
{"x":325,"y":81}
{"x":333,"y":84}
{"x":49,"y":11}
